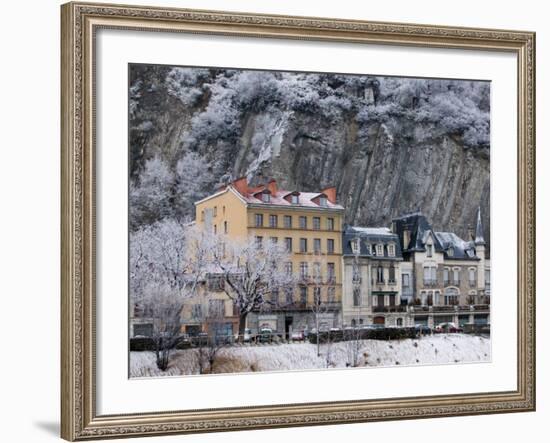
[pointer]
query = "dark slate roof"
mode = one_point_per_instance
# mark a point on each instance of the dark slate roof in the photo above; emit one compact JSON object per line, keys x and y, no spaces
{"x":418,"y":228}
{"x":370,"y":236}
{"x":461,"y":250}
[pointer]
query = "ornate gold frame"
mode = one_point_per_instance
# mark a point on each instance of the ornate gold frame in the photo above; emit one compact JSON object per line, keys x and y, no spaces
{"x":79,"y":420}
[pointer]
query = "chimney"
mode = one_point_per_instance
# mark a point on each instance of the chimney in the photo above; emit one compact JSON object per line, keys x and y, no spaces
{"x":272,"y":186}
{"x":241,"y":185}
{"x":406,"y":238}
{"x":330,"y":193}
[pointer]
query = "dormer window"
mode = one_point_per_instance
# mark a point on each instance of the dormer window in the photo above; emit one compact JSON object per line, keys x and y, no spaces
{"x":429,"y":250}
{"x":295,"y":199}
{"x":451,"y":252}
{"x":323,"y":201}
{"x":266,"y":197}
{"x":380,"y":250}
{"x":391,"y":250}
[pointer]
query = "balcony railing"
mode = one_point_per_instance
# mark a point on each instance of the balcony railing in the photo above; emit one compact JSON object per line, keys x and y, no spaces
{"x":443,"y":308}
{"x":429,"y":282}
{"x":396,"y":308}
{"x":303,"y":306}
{"x":456,"y":282}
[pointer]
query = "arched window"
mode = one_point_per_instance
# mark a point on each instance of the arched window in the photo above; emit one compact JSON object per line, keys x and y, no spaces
{"x":451,"y":296}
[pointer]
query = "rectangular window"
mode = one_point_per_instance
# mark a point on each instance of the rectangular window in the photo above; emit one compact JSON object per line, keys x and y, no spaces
{"x":288,"y":295}
{"x":304,"y":270}
{"x":303,"y":245}
{"x":451,"y":300}
{"x":331,"y":274}
{"x":456,"y":277}
{"x":487,"y":280}
{"x":225,"y":227}
{"x":356,"y":276}
{"x":379,"y":300}
{"x":406,"y":280}
{"x":392,"y":299}
{"x":317,"y":223}
{"x":317,"y":272}
{"x":330,"y":246}
{"x":288,"y":268}
{"x":429,"y":250}
{"x":356,"y":297}
{"x":380,"y":250}
{"x":287,"y":220}
{"x":259,"y":220}
{"x":303,"y":294}
{"x":317,"y":245}
{"x":379,"y":274}
{"x":391,"y":250}
{"x":303,"y":222}
{"x":273,"y":221}
{"x":330,"y":224}
{"x":259,"y":241}
{"x":392,"y":274}
{"x":196,"y":312}
{"x":331,"y":294}
{"x":288,"y":244}
{"x":446,"y":277}
{"x":429,"y":276}
{"x":317,"y":295}
{"x":472,"y":277}
{"x":215,"y":211}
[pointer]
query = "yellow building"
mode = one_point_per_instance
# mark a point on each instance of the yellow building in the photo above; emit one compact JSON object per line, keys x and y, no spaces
{"x":308,"y":224}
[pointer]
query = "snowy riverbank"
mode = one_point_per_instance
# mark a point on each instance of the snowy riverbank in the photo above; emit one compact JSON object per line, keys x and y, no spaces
{"x":433,"y":350}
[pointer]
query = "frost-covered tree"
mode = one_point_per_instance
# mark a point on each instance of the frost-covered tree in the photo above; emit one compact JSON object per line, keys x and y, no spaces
{"x":252,"y":272}
{"x":185,"y":84}
{"x":193,"y":178}
{"x":167,"y":262}
{"x":151,"y":197}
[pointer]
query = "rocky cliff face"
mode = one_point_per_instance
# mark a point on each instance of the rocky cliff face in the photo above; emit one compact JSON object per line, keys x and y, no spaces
{"x":389,"y":145}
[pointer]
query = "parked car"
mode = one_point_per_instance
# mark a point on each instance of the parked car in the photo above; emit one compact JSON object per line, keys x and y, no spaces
{"x":448,"y":327}
{"x":297,"y":335}
{"x":265,"y":335}
{"x":247,"y":336}
{"x":201,"y":339}
{"x":422,"y":329}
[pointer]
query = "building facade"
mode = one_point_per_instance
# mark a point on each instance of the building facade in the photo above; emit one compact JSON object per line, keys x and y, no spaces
{"x":308,"y":224}
{"x":372,"y":278}
{"x":438,"y":276}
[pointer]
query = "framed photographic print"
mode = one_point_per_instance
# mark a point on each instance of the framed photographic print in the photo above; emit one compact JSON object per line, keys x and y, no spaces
{"x":282,"y":221}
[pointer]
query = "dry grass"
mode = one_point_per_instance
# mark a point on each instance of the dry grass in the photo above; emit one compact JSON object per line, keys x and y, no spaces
{"x":226,"y":363}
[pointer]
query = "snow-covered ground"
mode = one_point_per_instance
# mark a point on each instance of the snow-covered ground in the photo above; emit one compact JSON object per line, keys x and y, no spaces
{"x":437,"y":349}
